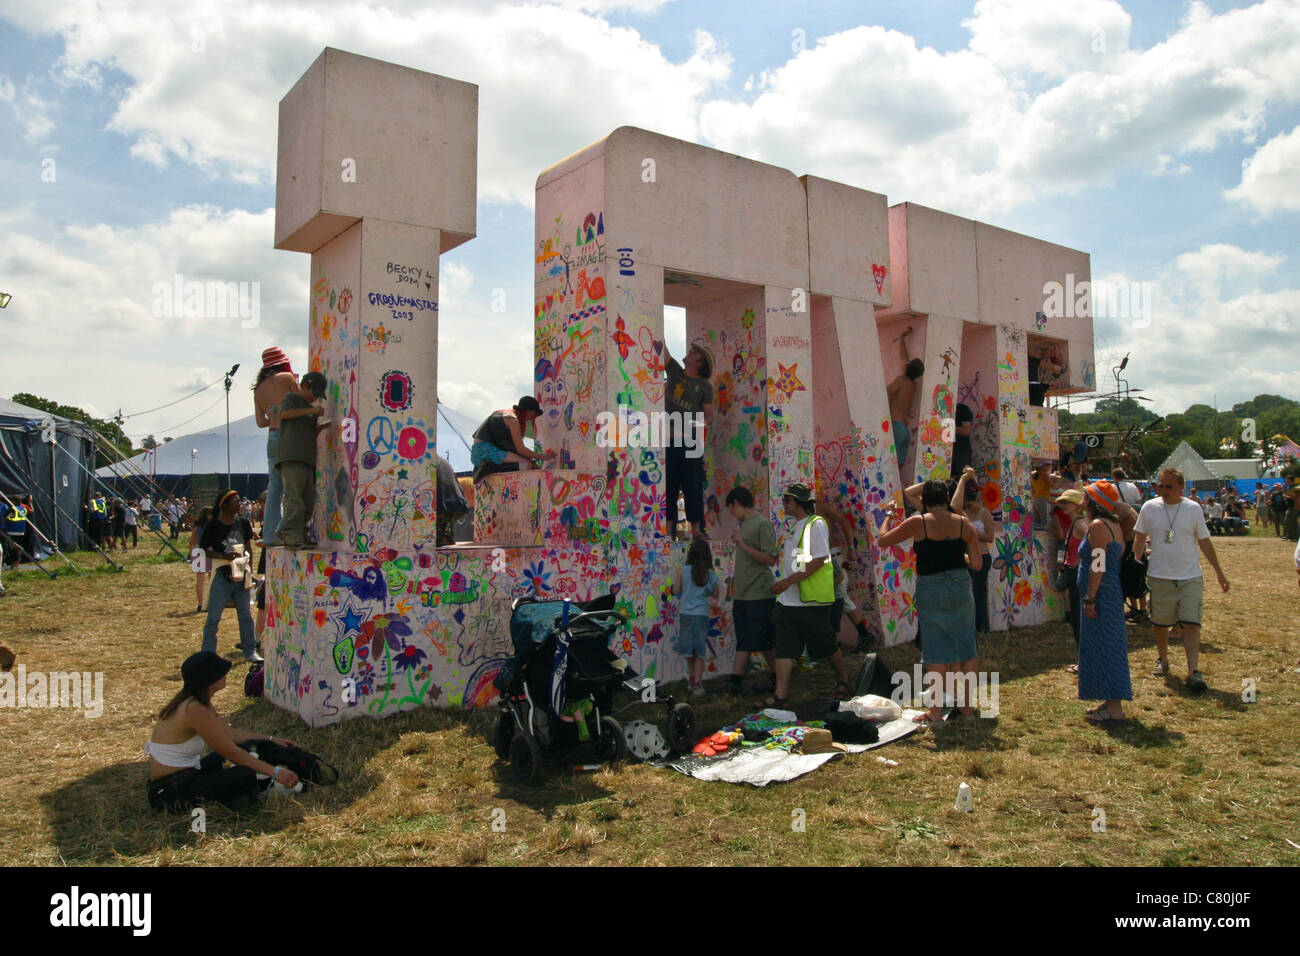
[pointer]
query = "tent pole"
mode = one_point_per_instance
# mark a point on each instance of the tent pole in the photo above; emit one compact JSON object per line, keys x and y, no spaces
{"x":35,"y":560}
{"x":77,"y":523}
{"x":96,"y":481}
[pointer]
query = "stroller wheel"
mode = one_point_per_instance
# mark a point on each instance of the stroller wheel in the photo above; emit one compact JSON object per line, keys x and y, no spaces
{"x":526,"y":757}
{"x":613,"y":745}
{"x":503,"y":734}
{"x":681,"y":728}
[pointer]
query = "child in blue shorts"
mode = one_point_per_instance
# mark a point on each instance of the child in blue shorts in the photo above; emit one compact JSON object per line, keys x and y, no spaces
{"x":697,"y":588}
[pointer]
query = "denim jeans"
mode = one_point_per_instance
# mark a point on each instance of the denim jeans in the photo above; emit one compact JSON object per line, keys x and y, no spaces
{"x":274,"y":490}
{"x":222,"y":590}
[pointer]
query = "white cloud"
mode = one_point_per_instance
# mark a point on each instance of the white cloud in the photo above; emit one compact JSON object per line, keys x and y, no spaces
{"x":89,"y":294}
{"x":1213,"y":267}
{"x":29,"y":108}
{"x":201,"y":86}
{"x":1050,"y":39}
{"x":1031,"y":107}
{"x":1213,"y":328}
{"x":1270,"y":180}
{"x":961,"y":130}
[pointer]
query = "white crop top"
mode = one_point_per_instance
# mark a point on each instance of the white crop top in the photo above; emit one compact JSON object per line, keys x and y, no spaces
{"x":177,"y":755}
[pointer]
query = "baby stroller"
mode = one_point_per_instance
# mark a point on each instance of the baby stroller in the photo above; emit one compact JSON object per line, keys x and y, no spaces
{"x":557,"y":691}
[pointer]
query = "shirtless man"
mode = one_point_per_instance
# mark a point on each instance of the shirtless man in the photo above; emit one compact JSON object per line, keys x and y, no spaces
{"x":901,"y":392}
{"x":274,"y":381}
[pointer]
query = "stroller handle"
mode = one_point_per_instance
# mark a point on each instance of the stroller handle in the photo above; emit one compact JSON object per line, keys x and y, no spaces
{"x":598,"y":615}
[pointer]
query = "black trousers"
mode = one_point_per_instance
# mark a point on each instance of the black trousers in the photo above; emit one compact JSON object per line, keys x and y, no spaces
{"x":234,"y":787}
{"x":979,"y":585}
{"x":130,"y":533}
{"x":1076,"y":609}
{"x":685,"y":475}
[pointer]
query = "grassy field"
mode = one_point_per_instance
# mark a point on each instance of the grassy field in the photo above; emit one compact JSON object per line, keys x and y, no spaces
{"x":1191,"y":780}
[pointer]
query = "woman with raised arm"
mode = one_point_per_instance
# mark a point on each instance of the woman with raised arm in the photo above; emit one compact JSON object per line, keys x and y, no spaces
{"x":947,"y":549}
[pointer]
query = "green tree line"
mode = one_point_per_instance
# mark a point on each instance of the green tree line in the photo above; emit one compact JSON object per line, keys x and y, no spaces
{"x":1247,"y":429}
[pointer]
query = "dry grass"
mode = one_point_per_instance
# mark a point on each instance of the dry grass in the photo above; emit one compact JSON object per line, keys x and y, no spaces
{"x":1208,"y":780}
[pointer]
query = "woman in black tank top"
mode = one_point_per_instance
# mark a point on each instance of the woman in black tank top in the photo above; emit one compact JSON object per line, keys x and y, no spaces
{"x":946,"y":547}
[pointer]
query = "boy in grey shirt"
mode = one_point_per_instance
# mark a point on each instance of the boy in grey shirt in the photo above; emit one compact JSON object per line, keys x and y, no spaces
{"x":295,"y":456}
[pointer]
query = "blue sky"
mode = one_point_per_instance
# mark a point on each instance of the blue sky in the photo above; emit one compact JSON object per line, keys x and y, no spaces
{"x":1003,"y":110}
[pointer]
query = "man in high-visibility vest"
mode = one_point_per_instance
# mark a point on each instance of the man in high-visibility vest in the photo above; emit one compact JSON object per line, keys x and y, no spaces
{"x":98,"y":513}
{"x":15,"y":528}
{"x":29,"y":542}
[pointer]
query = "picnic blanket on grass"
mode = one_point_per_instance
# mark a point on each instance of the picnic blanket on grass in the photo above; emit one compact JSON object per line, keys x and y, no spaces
{"x":759,"y":764}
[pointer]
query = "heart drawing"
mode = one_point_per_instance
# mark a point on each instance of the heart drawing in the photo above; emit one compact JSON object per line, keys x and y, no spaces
{"x":829,"y":459}
{"x":878,"y":273}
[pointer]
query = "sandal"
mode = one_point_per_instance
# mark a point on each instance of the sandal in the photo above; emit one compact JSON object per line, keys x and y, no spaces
{"x":1101,"y":718}
{"x":1072,"y":669}
{"x":777,"y":703}
{"x":842,"y":691}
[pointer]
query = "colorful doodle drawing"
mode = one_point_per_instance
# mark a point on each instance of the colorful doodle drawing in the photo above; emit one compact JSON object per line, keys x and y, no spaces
{"x":878,"y":273}
{"x":788,"y":381}
{"x":396,"y":391}
{"x":1007,"y":563}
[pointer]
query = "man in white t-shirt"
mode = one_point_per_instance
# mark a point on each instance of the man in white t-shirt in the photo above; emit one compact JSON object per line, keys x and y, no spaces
{"x":1214,"y":512}
{"x":1128,"y":492}
{"x":1174,"y":527}
{"x":797,"y":623}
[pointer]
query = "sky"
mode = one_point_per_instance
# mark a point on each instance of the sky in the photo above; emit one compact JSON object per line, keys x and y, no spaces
{"x":1163,"y":138}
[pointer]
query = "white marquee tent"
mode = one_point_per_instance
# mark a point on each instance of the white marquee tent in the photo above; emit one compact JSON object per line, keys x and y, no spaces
{"x":204,"y":453}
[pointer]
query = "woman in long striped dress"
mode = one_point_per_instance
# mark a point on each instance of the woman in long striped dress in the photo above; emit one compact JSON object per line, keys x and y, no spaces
{"x":1103,"y":643}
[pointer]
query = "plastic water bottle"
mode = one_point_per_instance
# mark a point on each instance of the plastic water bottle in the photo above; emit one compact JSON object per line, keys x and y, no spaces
{"x":965,"y":800}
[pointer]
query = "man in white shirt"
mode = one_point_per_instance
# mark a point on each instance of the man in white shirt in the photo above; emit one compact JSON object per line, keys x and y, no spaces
{"x":797,"y":623}
{"x":1214,"y":512}
{"x":1174,"y":527}
{"x":1128,"y":492}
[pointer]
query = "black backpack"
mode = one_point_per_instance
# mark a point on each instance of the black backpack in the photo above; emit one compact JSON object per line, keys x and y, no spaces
{"x":309,"y":767}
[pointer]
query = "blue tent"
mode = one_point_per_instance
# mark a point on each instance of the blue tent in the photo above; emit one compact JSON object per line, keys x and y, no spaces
{"x":54,"y":475}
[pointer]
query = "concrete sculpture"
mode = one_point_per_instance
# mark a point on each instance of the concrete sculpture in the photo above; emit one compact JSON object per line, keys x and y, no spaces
{"x":797,"y":285}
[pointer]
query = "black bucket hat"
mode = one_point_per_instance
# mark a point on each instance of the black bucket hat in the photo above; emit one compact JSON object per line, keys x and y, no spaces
{"x":200,"y":671}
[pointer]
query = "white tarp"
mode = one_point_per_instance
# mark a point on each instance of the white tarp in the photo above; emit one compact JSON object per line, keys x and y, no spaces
{"x":248,"y":449}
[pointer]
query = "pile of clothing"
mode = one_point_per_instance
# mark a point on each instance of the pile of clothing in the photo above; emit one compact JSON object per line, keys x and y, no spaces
{"x":775,"y":745}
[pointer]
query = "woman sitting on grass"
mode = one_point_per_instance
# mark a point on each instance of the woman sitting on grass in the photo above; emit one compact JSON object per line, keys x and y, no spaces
{"x":178,"y":778}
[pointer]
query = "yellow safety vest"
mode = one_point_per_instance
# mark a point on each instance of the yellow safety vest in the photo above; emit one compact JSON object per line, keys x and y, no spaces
{"x":16,"y":520}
